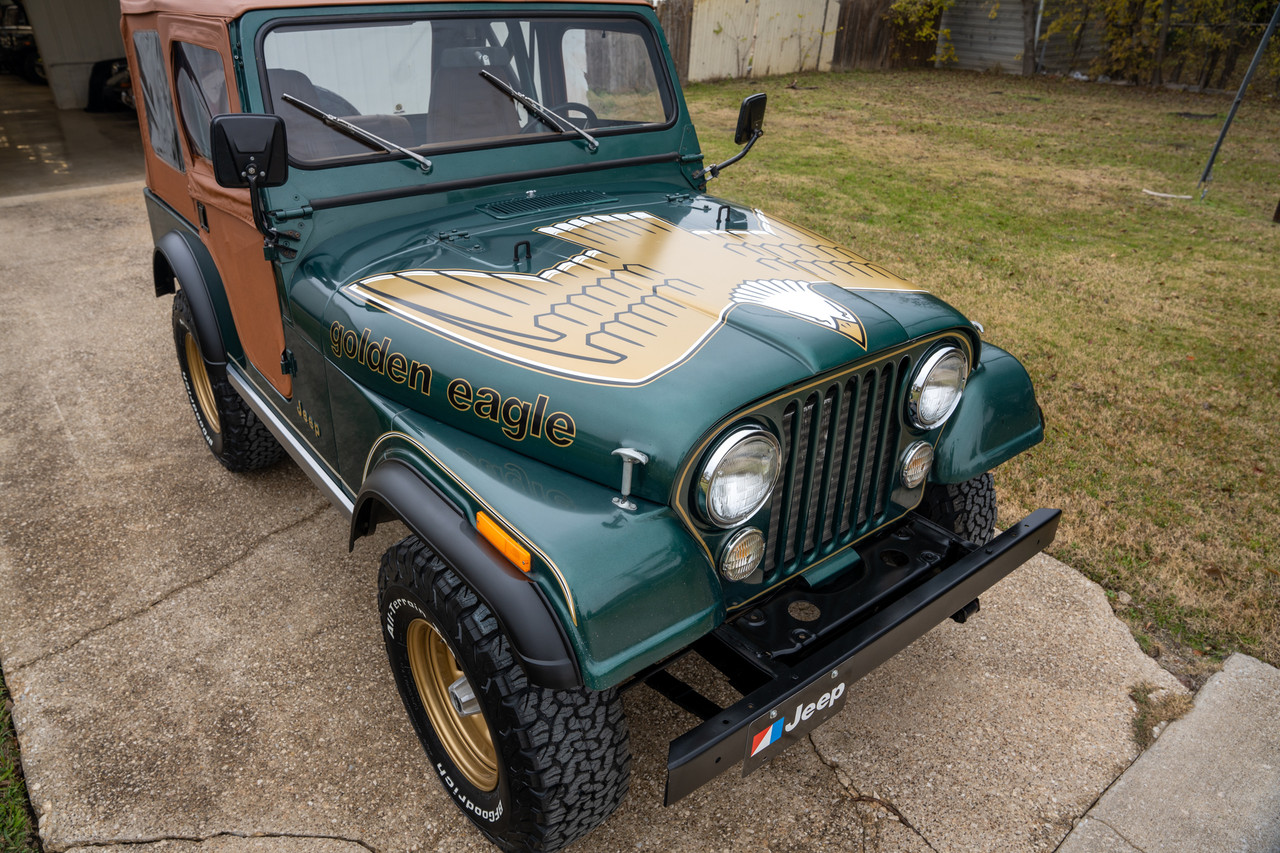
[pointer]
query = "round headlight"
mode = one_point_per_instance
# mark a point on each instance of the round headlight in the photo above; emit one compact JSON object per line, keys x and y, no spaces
{"x":739,"y":476}
{"x":743,"y":554}
{"x":936,"y":387}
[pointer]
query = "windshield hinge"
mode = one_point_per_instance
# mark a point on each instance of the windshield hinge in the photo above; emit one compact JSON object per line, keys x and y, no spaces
{"x":288,"y":364}
{"x":303,"y":212}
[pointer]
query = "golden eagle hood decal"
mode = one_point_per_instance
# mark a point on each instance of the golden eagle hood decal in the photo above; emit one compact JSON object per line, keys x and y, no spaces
{"x":641,"y":299}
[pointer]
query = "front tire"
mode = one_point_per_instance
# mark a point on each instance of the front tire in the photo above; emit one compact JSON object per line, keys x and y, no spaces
{"x":533,"y":768}
{"x":967,"y":508}
{"x":234,"y":434}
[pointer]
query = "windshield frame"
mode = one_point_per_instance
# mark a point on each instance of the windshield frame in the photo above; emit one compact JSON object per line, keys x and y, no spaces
{"x":665,"y":86}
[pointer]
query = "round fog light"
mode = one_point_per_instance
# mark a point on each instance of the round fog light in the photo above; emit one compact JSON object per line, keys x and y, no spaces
{"x":916,"y":463}
{"x":743,"y":554}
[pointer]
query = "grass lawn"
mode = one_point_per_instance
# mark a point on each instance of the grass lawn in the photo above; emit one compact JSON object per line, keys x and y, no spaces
{"x":17,"y":827}
{"x":1149,"y":325}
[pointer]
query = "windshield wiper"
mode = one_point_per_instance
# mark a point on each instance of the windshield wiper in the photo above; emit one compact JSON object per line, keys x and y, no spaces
{"x":553,"y":120}
{"x":356,"y":132}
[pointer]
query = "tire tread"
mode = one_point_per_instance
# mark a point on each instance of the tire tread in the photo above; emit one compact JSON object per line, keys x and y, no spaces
{"x":967,"y":508}
{"x":571,"y":763}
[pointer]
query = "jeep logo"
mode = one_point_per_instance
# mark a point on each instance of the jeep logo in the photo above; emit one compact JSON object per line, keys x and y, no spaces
{"x":826,"y":700}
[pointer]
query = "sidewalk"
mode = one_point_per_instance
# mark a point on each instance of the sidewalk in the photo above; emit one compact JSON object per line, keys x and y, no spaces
{"x":1211,"y":782}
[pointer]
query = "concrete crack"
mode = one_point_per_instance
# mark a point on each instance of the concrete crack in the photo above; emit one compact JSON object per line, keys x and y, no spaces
{"x":1119,"y":834}
{"x":1076,"y":821}
{"x":858,"y":797}
{"x":168,"y":594}
{"x":137,"y":842}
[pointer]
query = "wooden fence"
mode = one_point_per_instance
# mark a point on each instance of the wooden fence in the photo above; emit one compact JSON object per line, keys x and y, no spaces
{"x":715,"y":39}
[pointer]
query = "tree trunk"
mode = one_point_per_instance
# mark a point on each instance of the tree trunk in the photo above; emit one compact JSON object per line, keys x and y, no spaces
{"x":1029,"y":37}
{"x":1233,"y":56}
{"x":1157,"y":74}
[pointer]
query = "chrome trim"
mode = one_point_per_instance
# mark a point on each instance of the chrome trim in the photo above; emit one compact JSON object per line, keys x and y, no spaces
{"x":733,"y":542}
{"x":917,"y":386}
{"x":912,"y":450}
{"x":717,"y":456}
{"x":630,"y":458}
{"x":463,"y":698}
{"x":301,"y":451}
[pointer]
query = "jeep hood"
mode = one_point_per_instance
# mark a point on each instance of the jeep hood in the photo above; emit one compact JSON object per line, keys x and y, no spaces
{"x":642,"y":324}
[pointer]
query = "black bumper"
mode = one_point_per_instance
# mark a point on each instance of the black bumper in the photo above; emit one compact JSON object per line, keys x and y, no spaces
{"x":916,"y":575}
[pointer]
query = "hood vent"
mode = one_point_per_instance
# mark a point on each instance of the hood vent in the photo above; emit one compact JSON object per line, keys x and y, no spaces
{"x":511,"y":208}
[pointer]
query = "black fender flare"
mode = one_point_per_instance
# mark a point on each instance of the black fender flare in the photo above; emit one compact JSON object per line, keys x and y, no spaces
{"x":176,"y":257}
{"x":395,"y":490}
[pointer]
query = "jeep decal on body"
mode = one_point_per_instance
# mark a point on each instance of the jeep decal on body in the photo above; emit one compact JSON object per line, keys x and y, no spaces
{"x":639,"y":301}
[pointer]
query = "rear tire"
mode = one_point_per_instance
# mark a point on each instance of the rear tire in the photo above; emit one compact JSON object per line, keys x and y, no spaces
{"x":535,"y":769}
{"x":234,"y":434}
{"x":967,"y":508}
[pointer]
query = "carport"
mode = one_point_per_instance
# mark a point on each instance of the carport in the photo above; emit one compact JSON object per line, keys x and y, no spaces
{"x":72,"y":35}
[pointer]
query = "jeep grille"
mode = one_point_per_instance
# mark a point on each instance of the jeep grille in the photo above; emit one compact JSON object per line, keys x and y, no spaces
{"x":839,"y":443}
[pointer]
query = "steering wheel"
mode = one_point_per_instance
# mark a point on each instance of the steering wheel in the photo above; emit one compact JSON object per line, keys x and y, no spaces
{"x":562,"y":110}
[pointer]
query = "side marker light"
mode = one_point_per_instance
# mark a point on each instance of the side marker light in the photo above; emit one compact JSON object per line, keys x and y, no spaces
{"x":503,"y":541}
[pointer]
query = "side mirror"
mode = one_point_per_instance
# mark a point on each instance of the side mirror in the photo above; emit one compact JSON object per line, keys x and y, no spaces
{"x":750,"y":118}
{"x":249,"y":150}
{"x":750,"y":128}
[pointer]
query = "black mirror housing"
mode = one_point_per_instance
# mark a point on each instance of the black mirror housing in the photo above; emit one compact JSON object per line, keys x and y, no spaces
{"x":750,"y":118}
{"x":249,"y":146}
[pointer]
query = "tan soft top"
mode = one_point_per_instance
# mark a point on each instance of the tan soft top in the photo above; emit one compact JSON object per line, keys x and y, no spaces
{"x":229,"y":9}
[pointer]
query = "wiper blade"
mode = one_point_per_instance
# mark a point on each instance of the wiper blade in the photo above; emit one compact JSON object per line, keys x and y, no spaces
{"x":553,"y":120}
{"x":356,"y":132}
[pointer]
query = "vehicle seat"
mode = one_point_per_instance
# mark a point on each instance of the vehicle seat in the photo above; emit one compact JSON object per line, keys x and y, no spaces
{"x":466,"y":106}
{"x":309,"y":138}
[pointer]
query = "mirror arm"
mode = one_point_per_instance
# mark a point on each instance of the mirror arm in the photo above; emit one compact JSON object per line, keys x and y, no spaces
{"x":714,"y":170}
{"x":271,"y":237}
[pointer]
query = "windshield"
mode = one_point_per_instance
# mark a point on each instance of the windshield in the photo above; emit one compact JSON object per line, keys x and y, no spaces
{"x":418,"y":83}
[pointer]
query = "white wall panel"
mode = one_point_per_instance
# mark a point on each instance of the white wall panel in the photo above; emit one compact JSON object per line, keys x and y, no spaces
{"x":755,"y":38}
{"x":789,"y":36}
{"x":72,"y":35}
{"x":722,"y":38}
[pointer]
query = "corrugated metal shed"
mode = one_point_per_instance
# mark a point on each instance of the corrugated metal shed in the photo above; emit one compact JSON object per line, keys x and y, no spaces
{"x":985,"y":43}
{"x":72,"y":35}
{"x":981,"y":42}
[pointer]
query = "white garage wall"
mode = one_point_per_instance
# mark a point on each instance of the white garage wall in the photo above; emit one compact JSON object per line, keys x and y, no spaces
{"x":72,"y":35}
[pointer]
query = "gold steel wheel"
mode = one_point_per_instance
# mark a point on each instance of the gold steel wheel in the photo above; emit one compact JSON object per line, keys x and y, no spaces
{"x":200,"y":382}
{"x":467,"y":737}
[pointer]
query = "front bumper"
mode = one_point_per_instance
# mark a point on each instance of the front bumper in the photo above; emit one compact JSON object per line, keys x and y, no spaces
{"x":915,"y":575}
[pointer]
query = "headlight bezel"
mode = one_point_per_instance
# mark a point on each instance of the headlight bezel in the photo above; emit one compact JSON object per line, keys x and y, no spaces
{"x":920,"y":382}
{"x":733,"y":439}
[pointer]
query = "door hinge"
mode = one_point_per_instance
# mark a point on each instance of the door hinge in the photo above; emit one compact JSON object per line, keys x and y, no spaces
{"x":288,"y":364}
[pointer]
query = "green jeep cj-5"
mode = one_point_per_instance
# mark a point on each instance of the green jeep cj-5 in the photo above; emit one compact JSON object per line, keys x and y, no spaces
{"x":459,"y":261}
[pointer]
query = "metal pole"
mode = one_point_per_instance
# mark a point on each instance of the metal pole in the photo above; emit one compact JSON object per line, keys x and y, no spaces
{"x":1039,"y":64}
{"x":1203,"y":186}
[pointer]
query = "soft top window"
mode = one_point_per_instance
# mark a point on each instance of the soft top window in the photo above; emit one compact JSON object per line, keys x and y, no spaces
{"x":202,"y":91}
{"x":418,"y":83}
{"x":157,"y":105}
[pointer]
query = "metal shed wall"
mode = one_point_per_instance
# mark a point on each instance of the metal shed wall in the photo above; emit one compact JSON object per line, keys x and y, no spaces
{"x":73,"y":35}
{"x":984,"y":43}
{"x":981,"y":42}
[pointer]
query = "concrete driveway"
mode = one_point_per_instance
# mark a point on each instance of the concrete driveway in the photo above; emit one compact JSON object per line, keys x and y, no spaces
{"x":196,"y":663}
